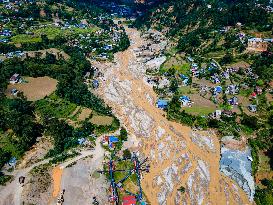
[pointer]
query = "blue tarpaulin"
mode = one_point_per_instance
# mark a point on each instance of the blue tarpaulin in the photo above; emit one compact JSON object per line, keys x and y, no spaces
{"x":162,"y":104}
{"x":218,"y":89}
{"x":113,"y":139}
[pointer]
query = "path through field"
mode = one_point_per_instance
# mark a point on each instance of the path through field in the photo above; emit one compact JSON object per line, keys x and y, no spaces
{"x":178,"y":156}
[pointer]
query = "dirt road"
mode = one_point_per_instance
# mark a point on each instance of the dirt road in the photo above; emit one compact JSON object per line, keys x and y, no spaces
{"x":11,"y":193}
{"x":178,"y":156}
{"x":78,"y":182}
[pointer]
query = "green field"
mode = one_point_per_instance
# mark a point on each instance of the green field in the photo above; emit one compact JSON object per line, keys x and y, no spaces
{"x":51,"y":33}
{"x":198,"y":110}
{"x":180,"y":68}
{"x":55,"y":106}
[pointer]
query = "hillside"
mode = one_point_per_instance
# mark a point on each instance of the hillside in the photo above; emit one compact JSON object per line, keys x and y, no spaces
{"x":210,"y":48}
{"x":190,"y":80}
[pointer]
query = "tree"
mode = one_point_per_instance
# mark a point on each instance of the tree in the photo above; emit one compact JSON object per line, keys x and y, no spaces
{"x":228,"y":58}
{"x":45,"y":39}
{"x":174,"y":85}
{"x":60,"y":132}
{"x":123,"y":134}
{"x":127,"y":154}
{"x":182,"y":189}
{"x":4,"y":157}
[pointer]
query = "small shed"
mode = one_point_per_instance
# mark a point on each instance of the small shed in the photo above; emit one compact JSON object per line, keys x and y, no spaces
{"x":12,"y":162}
{"x":95,"y":84}
{"x":185,"y":100}
{"x":14,"y":92}
{"x":252,"y":108}
{"x":81,"y":141}
{"x":22,"y":179}
{"x":218,"y":89}
{"x":233,"y":101}
{"x":15,"y":78}
{"x":254,"y":95}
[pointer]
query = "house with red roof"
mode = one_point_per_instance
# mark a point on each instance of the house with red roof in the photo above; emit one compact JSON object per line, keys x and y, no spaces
{"x":129,"y":200}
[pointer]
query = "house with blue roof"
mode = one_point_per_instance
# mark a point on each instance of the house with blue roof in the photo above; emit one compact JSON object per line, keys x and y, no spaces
{"x":162,"y":104}
{"x":185,"y":79}
{"x":185,"y":100}
{"x":111,"y":141}
{"x":12,"y":162}
{"x":95,"y":84}
{"x":217,"y":90}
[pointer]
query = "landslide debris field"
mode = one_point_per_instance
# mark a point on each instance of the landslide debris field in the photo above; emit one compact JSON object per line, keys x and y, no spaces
{"x":187,"y":158}
{"x":178,"y":155}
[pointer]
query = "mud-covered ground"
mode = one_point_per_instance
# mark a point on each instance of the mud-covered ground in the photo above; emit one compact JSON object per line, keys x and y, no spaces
{"x":178,"y":156}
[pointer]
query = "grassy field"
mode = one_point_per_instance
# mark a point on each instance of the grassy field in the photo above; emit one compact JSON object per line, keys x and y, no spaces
{"x":51,"y":33}
{"x":55,"y":106}
{"x":177,"y":62}
{"x":198,"y":110}
{"x":184,"y":90}
{"x":131,"y":183}
{"x":181,"y":68}
{"x":264,"y":162}
{"x":217,"y":55}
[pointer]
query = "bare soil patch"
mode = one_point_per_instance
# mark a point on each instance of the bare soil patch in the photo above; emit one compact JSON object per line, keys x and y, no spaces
{"x":54,"y":51}
{"x":240,"y":64}
{"x":57,"y":177}
{"x":35,"y":88}
{"x":236,"y":144}
{"x":37,"y":153}
{"x":86,"y":112}
{"x":38,"y":185}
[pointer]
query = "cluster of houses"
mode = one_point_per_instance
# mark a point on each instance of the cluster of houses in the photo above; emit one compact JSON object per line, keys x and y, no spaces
{"x":18,"y":54}
{"x":5,"y":33}
{"x":15,"y":79}
{"x":258,"y":44}
{"x":93,"y":82}
{"x":14,"y":5}
{"x":184,"y":100}
{"x":110,"y":141}
{"x":116,"y":9}
{"x":210,"y":74}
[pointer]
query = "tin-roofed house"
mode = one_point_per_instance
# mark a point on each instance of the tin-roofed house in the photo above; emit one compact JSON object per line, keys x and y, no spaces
{"x":15,"y":78}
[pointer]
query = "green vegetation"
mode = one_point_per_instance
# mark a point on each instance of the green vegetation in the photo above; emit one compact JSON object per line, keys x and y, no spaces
{"x":196,"y":110}
{"x":55,"y":106}
{"x":63,"y":157}
{"x":4,"y":179}
{"x":51,"y":33}
{"x":265,"y":195}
